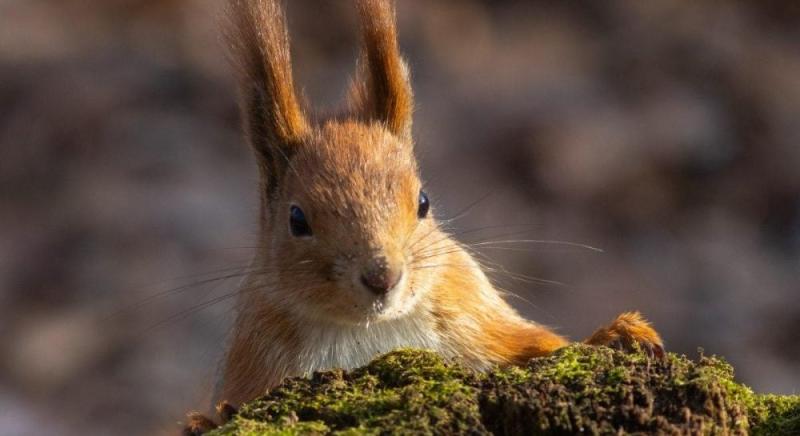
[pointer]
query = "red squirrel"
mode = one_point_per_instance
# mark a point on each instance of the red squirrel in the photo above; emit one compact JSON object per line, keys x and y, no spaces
{"x":352,"y":262}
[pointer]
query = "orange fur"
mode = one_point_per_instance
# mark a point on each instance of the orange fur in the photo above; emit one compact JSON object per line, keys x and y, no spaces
{"x":628,"y":329}
{"x":245,"y":373}
{"x":303,"y":307}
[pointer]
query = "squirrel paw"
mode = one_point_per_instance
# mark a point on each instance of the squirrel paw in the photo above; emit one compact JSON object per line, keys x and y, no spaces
{"x":629,"y":332}
{"x":200,"y":424}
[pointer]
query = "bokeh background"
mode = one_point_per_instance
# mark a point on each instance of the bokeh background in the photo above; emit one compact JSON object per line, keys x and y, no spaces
{"x":665,"y":133}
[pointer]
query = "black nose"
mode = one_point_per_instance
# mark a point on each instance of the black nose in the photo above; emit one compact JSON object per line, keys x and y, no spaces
{"x":380,"y":278}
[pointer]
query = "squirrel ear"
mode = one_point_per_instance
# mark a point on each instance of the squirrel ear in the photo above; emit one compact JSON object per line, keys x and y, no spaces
{"x":382,"y":89}
{"x":273,"y":118}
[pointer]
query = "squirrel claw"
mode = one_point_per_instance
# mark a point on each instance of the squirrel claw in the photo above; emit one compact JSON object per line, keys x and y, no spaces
{"x":226,"y":411}
{"x":200,"y":424}
{"x":657,"y":351}
{"x":652,"y":350}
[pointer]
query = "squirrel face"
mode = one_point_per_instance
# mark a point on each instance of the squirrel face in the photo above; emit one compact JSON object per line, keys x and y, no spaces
{"x":345,"y":225}
{"x":350,"y":214}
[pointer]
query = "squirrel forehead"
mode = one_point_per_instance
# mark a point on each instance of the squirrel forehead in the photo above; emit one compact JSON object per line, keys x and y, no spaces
{"x":349,"y":169}
{"x":352,"y":144}
{"x":358,"y":159}
{"x":356,"y":175}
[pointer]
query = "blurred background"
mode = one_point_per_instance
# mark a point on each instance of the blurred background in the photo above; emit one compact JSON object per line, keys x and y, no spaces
{"x":663,"y":132}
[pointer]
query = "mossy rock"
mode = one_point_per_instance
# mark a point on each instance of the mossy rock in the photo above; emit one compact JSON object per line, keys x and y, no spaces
{"x":578,"y":389}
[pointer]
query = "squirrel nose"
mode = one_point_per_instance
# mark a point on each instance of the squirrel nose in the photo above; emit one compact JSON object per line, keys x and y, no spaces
{"x":379,"y":277}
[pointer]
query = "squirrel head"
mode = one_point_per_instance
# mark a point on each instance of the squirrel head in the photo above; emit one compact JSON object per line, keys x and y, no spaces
{"x":343,"y":215}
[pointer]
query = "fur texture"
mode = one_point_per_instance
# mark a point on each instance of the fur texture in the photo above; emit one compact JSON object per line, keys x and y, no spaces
{"x":304,"y":306}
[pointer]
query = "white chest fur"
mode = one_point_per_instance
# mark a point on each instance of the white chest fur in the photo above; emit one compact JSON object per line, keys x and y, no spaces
{"x":353,"y":346}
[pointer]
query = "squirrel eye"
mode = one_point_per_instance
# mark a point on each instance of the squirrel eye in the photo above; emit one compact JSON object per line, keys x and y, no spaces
{"x":298,"y":224}
{"x":424,"y":205}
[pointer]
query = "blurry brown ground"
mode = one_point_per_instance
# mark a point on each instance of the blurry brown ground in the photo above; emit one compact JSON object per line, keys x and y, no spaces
{"x":664,"y":132}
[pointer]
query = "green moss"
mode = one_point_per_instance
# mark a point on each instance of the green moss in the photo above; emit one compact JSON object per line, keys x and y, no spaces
{"x":251,"y":427}
{"x":577,"y":389}
{"x":408,"y":391}
{"x":775,"y":415}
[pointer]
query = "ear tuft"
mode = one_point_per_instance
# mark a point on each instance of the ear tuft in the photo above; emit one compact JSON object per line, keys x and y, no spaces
{"x":382,"y":89}
{"x":259,"y":40}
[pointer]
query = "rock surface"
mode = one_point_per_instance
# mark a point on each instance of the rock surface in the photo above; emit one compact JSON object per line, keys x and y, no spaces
{"x":578,"y":389}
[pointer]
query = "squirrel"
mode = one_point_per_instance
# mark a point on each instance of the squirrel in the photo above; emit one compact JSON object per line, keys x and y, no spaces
{"x":351,"y":261}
